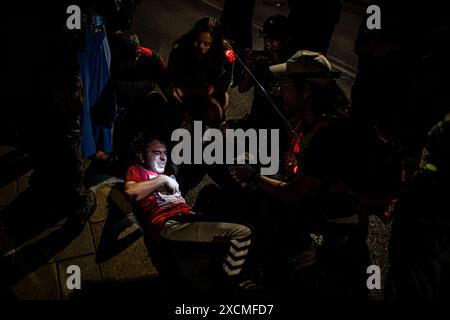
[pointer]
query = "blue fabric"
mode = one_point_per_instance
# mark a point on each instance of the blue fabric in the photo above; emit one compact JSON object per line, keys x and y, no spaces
{"x":96,"y":127}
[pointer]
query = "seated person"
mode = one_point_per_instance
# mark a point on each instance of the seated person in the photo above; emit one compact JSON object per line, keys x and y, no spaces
{"x":419,"y":246}
{"x":201,"y":72}
{"x":199,"y":66}
{"x":318,"y":197}
{"x":135,"y":72}
{"x":167,"y":216}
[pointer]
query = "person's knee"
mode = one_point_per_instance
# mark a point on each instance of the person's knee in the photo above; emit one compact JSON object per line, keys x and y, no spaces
{"x":243,"y":232}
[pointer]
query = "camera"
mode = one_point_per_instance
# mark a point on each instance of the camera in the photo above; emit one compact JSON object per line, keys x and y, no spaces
{"x":262,"y":56}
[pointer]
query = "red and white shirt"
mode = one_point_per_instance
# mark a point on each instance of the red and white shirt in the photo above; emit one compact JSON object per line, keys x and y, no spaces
{"x":159,"y":206}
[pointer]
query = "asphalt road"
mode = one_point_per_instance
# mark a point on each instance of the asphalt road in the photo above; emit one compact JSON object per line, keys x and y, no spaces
{"x":160,"y":22}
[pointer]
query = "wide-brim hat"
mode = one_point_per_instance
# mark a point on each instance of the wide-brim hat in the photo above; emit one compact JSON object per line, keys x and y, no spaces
{"x":310,"y":65}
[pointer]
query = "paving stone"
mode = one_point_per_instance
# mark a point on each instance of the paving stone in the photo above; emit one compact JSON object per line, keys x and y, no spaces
{"x":131,"y":262}
{"x":23,"y":182}
{"x":119,"y":200}
{"x":6,"y":242}
{"x":51,"y":246}
{"x":8,"y":193}
{"x":41,"y":284}
{"x":108,"y":196}
{"x":80,"y":246}
{"x":101,"y":212}
{"x":38,"y":238}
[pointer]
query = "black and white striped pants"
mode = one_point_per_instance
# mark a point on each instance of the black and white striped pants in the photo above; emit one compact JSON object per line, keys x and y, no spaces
{"x":238,"y":237}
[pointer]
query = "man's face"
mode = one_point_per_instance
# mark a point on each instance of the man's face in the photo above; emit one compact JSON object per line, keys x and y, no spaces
{"x":156,"y":156}
{"x":289,"y":92}
{"x":203,"y":43}
{"x":274,"y":45}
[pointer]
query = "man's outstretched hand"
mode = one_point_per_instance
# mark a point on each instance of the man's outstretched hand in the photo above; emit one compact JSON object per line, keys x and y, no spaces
{"x":242,"y":173}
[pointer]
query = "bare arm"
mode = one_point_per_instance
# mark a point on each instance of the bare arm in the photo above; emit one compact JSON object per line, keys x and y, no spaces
{"x":293,"y":192}
{"x":139,"y":190}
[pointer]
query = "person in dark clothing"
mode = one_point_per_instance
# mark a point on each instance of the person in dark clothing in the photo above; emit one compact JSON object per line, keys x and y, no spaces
{"x":201,"y":68}
{"x":50,"y":105}
{"x":99,"y":105}
{"x":136,"y":73}
{"x":419,"y":247}
{"x":136,"y":70}
{"x":318,"y":196}
{"x":401,"y":68}
{"x":201,"y":65}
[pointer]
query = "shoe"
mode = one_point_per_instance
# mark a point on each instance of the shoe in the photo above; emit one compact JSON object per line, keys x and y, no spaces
{"x":251,"y":290}
{"x":304,"y":259}
{"x":249,"y":284}
{"x":240,"y":287}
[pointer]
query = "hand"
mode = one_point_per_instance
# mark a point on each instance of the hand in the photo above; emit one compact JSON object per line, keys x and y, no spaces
{"x":242,"y":173}
{"x":171,"y":185}
{"x":211,"y":90}
{"x":177,"y":93}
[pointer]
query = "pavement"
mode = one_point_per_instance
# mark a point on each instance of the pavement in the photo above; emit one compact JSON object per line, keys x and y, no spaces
{"x":36,"y":250}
